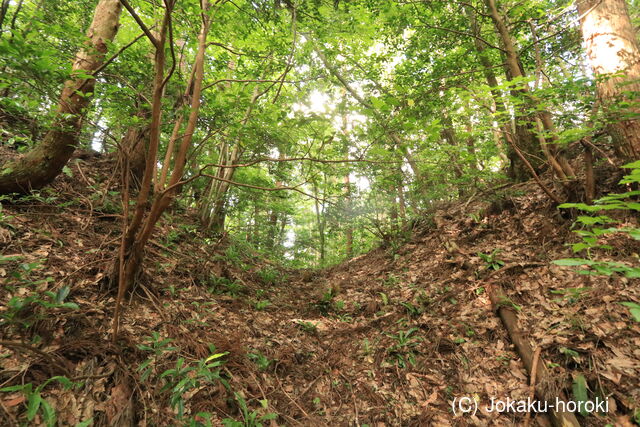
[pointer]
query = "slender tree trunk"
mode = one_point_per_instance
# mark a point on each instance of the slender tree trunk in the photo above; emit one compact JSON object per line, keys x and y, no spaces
{"x":41,"y":165}
{"x":221,"y":188}
{"x":524,"y":136}
{"x":507,"y":154}
{"x":526,"y":122}
{"x":402,"y":206}
{"x":4,"y":7}
{"x":612,"y":49}
{"x":135,"y":144}
{"x":349,"y":229}
{"x":382,"y":121}
{"x":272,"y":232}
{"x":145,"y":218}
{"x":320,"y":223}
{"x":448,"y":133}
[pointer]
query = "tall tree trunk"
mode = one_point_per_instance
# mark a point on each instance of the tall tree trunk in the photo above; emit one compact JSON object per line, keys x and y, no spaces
{"x":527,"y":121}
{"x":41,"y":165}
{"x":221,"y":187}
{"x":4,"y":7}
{"x":524,"y":137}
{"x":402,"y":206}
{"x":272,"y":231}
{"x":382,"y":121}
{"x":612,"y":48}
{"x":320,"y":220}
{"x":448,"y":133}
{"x":501,"y":129}
{"x":134,"y":145}
{"x":349,"y":229}
{"x":145,"y":218}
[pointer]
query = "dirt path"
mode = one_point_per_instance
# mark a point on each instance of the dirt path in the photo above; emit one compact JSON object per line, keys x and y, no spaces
{"x":389,"y":338}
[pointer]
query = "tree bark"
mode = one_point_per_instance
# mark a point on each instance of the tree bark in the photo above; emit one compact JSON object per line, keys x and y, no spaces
{"x":219,"y":189}
{"x":349,"y":229}
{"x":614,"y":54}
{"x":135,"y":144}
{"x":41,"y":165}
{"x":526,"y":121}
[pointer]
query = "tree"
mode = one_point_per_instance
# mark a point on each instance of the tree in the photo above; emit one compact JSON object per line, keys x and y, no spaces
{"x":531,"y":126}
{"x":44,"y":162}
{"x":612,"y":49}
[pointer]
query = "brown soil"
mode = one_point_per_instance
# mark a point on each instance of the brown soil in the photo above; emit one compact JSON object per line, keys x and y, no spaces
{"x":333,"y":339}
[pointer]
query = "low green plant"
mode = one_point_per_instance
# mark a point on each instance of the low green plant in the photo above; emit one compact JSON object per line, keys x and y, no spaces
{"x":491,"y":259}
{"x":31,"y":304}
{"x":572,"y":295}
{"x":269,"y":276}
{"x":224,"y":286}
{"x":249,"y":418}
{"x":261,"y":361}
{"x":367,"y":348}
{"x":35,"y":404}
{"x":634,"y":309}
{"x":384,"y":298}
{"x":306,"y":326}
{"x":403,"y":351}
{"x":261,"y":305}
{"x":593,"y":228}
{"x":184,"y":377}
{"x":508,"y":303}
{"x":391,"y":281}
{"x":411,"y":309}
{"x":324,"y":305}
{"x":158,"y":347}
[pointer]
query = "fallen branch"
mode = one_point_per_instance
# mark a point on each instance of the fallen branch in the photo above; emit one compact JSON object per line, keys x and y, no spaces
{"x":535,"y":366}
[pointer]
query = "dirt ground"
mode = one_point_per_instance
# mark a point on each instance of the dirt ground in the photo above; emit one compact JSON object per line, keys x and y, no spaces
{"x":389,"y":338}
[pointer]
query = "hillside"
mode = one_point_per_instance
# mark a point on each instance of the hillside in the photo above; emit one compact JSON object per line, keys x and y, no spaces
{"x":388,"y":338}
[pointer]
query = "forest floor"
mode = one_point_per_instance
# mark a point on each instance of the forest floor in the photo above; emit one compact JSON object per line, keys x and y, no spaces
{"x":388,"y":338}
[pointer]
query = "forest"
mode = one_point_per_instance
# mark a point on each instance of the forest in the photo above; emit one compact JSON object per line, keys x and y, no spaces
{"x":319,"y":213}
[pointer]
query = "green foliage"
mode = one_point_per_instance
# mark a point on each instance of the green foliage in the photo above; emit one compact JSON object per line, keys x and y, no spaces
{"x":580,"y":393}
{"x":308,"y":327}
{"x":403,"y":352}
{"x":249,"y":418}
{"x":593,"y":230}
{"x":634,"y":309}
{"x":508,"y":303}
{"x":30,"y":303}
{"x":225,"y":286}
{"x":261,"y":361}
{"x":156,"y":346}
{"x":184,"y":377}
{"x":491,"y":259}
{"x":269,"y":276}
{"x":572,"y":295}
{"x":261,"y":305}
{"x":391,"y":281}
{"x":35,"y":404}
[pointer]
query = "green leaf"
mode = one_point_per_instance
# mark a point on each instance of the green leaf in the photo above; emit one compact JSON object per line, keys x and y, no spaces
{"x":572,"y":262}
{"x":85,"y":423}
{"x":216,"y":356}
{"x":48,"y":414}
{"x":633,"y":165}
{"x":634,"y":309}
{"x":33,"y":405}
{"x":580,"y":393}
{"x":62,"y":294}
{"x":9,"y":389}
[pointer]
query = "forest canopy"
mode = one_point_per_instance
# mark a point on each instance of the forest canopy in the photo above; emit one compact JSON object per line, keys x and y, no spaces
{"x":320,"y":127}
